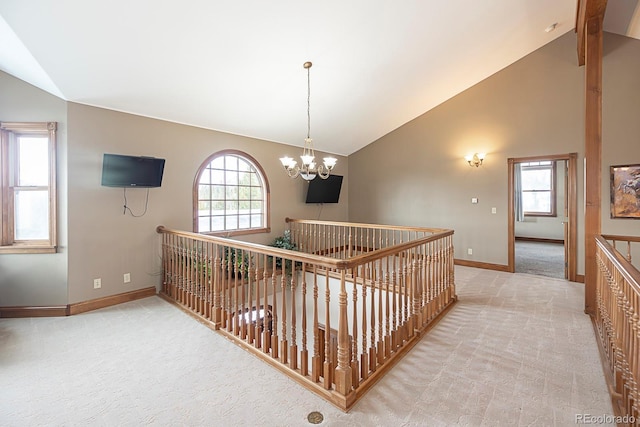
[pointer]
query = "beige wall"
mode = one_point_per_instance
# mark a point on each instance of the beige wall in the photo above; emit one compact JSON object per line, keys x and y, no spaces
{"x":533,"y":107}
{"x":105,"y":243}
{"x":36,"y":279}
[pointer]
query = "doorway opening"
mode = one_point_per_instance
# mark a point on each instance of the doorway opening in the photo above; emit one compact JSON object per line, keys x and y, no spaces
{"x":542,"y":233}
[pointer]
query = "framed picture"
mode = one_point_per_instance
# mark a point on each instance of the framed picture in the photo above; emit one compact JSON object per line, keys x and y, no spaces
{"x":625,"y":191}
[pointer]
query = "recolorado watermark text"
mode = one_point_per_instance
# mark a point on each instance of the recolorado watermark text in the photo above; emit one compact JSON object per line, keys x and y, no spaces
{"x":605,"y":419}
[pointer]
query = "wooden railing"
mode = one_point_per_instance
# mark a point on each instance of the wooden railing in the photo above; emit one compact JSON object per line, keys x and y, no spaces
{"x":335,"y":324}
{"x":618,"y":326}
{"x":628,"y":246}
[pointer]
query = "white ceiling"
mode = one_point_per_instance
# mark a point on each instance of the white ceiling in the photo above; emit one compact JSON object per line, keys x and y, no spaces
{"x":236,"y":66}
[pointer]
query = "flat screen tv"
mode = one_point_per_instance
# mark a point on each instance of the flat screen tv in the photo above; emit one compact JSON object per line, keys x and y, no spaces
{"x":131,"y":171}
{"x":324,"y":190}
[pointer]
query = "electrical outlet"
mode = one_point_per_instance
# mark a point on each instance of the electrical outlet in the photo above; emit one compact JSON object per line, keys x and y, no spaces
{"x":470,"y":251}
{"x":474,"y":200}
{"x":97,"y":283}
{"x":494,"y":210}
{"x":127,"y":277}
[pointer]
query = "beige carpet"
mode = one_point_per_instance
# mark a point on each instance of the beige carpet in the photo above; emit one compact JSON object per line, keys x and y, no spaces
{"x":516,"y":350}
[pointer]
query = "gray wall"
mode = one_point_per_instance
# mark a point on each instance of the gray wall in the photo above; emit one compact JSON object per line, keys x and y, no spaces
{"x":36,"y":279}
{"x":533,"y":107}
{"x":105,"y":243}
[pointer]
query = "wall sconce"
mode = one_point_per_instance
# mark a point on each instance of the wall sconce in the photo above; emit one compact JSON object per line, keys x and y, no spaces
{"x":475,"y":159}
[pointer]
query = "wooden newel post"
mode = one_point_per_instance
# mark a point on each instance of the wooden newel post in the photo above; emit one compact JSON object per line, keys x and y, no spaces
{"x":343,"y":370}
{"x":216,"y":311}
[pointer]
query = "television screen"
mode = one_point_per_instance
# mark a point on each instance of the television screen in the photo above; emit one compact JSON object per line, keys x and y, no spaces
{"x":324,"y":190}
{"x":131,"y":171}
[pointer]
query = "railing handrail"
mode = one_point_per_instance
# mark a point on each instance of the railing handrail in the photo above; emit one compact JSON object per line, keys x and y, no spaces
{"x":621,"y":238}
{"x":264,"y":249}
{"x":365,"y":225}
{"x":328,"y":262}
{"x":626,"y":269}
{"x":400,"y":247}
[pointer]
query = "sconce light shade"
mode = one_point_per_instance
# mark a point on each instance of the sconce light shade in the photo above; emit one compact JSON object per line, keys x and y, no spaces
{"x":475,"y":159}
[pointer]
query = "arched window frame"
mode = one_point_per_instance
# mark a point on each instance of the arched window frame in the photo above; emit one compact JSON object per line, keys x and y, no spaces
{"x":266,"y":225}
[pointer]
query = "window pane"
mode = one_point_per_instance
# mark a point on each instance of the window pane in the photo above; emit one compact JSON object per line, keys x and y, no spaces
{"x":256,"y":193}
{"x":232,"y":193}
{"x":232,"y":222}
{"x":256,"y":221}
{"x":203,"y":224}
{"x":33,"y":161}
{"x":217,"y":192}
{"x":536,"y":179}
{"x":218,"y":207}
{"x":536,"y":201}
{"x":231,"y":163}
{"x":243,"y":165}
{"x":231,"y":178}
{"x":204,"y":192}
{"x":256,"y":207}
{"x":232,"y":208}
{"x":245,"y":221}
{"x":217,"y":177}
{"x":31,"y":215}
{"x":217,"y":223}
{"x":217,"y":163}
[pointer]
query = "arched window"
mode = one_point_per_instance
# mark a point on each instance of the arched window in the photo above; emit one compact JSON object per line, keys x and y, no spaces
{"x":230,"y":195}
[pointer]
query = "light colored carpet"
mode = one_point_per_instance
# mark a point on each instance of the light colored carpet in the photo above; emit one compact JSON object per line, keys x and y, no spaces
{"x":516,"y":350}
{"x":540,"y":258}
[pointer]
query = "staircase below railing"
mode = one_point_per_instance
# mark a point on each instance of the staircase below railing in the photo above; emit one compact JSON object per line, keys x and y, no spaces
{"x":617,"y":325}
{"x":334,"y":317}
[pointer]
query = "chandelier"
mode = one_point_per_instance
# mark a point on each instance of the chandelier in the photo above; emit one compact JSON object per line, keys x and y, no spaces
{"x":308,"y":170}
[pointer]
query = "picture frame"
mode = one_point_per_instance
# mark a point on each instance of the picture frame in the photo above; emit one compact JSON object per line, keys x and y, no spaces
{"x":625,"y":191}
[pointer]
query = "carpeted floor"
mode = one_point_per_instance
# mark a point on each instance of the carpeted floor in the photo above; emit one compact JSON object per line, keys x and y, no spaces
{"x":516,"y":350}
{"x":540,"y":258}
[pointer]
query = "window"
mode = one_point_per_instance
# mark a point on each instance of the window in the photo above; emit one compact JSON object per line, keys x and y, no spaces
{"x":28,"y":187}
{"x":231,"y":195}
{"x":538,"y":188}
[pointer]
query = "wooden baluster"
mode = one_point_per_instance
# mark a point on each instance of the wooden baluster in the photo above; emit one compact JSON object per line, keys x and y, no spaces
{"x":184,"y":261}
{"x":283,"y":311}
{"x":274,"y":299}
{"x":201,"y":282}
{"x":373,"y":359}
{"x":269,"y":322}
{"x":316,"y":362}
{"x":355,"y":371}
{"x":304,"y":353}
{"x":328,"y":367}
{"x":293,"y":348}
{"x":217,"y":290}
{"x":364,"y":360}
{"x":247,"y":286}
{"x":387,"y":312}
{"x":231,"y":307}
{"x":343,"y":370}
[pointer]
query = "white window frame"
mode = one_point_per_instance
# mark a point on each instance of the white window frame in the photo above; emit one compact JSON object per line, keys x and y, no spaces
{"x":255,"y":168}
{"x":10,"y":132}
{"x":551,"y":167}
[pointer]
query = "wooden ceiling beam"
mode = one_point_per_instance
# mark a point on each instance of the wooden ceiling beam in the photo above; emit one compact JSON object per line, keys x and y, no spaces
{"x":587,"y":10}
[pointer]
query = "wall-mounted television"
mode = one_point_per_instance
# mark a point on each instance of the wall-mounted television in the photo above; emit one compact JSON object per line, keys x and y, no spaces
{"x":324,"y":190}
{"x":131,"y":171}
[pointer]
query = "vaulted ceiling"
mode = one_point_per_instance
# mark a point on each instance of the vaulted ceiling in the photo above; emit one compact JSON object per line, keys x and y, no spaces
{"x":237,"y":66}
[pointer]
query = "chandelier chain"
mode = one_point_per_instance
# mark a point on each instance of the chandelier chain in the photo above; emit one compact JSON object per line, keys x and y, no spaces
{"x":309,"y":102}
